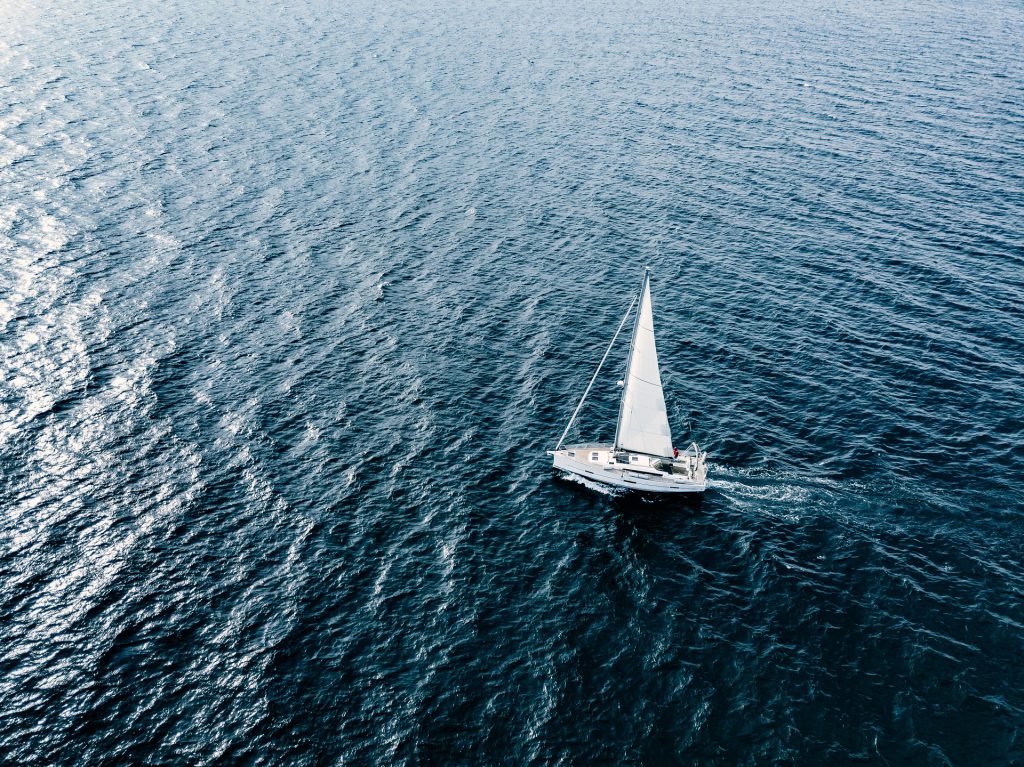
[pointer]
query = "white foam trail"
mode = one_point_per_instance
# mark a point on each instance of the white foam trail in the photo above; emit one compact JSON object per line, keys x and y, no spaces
{"x":596,"y":486}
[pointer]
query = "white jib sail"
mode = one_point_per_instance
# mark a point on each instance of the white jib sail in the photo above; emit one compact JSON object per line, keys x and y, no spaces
{"x":643,"y":422}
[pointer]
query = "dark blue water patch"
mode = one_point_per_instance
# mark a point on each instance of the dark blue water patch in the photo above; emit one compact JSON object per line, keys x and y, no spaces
{"x":293,"y":300}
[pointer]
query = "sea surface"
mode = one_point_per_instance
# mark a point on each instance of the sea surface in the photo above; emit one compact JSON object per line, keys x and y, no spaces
{"x":295,"y":296}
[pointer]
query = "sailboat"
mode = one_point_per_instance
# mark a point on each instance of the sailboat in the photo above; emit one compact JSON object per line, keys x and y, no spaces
{"x":642,"y":457}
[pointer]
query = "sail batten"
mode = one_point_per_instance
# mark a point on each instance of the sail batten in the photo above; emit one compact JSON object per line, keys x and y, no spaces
{"x":643,"y":421}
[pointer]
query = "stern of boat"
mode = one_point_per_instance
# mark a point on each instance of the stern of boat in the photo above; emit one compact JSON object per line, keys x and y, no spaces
{"x":691,"y":463}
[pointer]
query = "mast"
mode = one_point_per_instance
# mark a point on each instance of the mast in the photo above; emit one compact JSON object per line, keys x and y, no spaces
{"x":629,"y":359}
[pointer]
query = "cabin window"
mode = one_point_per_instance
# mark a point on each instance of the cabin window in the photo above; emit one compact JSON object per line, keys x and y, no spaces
{"x":593,"y":456}
{"x":634,"y":458}
{"x":572,"y":453}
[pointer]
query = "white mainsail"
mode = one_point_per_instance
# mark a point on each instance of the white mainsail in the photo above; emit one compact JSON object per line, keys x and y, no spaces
{"x":643,"y":422}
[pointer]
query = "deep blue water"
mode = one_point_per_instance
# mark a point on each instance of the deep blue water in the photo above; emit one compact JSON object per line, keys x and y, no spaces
{"x":293,"y":297}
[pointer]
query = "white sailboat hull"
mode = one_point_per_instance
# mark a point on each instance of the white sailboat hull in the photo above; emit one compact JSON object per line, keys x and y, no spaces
{"x":633,"y":471}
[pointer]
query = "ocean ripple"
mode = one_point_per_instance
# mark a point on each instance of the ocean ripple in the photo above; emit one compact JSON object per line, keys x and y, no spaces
{"x":293,"y":299}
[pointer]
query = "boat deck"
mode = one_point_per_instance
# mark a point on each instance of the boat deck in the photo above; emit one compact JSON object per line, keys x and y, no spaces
{"x":634,"y":471}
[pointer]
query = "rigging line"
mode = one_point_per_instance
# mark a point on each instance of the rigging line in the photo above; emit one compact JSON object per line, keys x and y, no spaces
{"x":583,"y":399}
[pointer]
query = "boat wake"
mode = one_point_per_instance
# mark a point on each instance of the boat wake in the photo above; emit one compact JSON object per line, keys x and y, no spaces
{"x":611,"y":492}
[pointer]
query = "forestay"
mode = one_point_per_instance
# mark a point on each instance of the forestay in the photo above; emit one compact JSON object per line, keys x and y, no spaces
{"x":643,"y":422}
